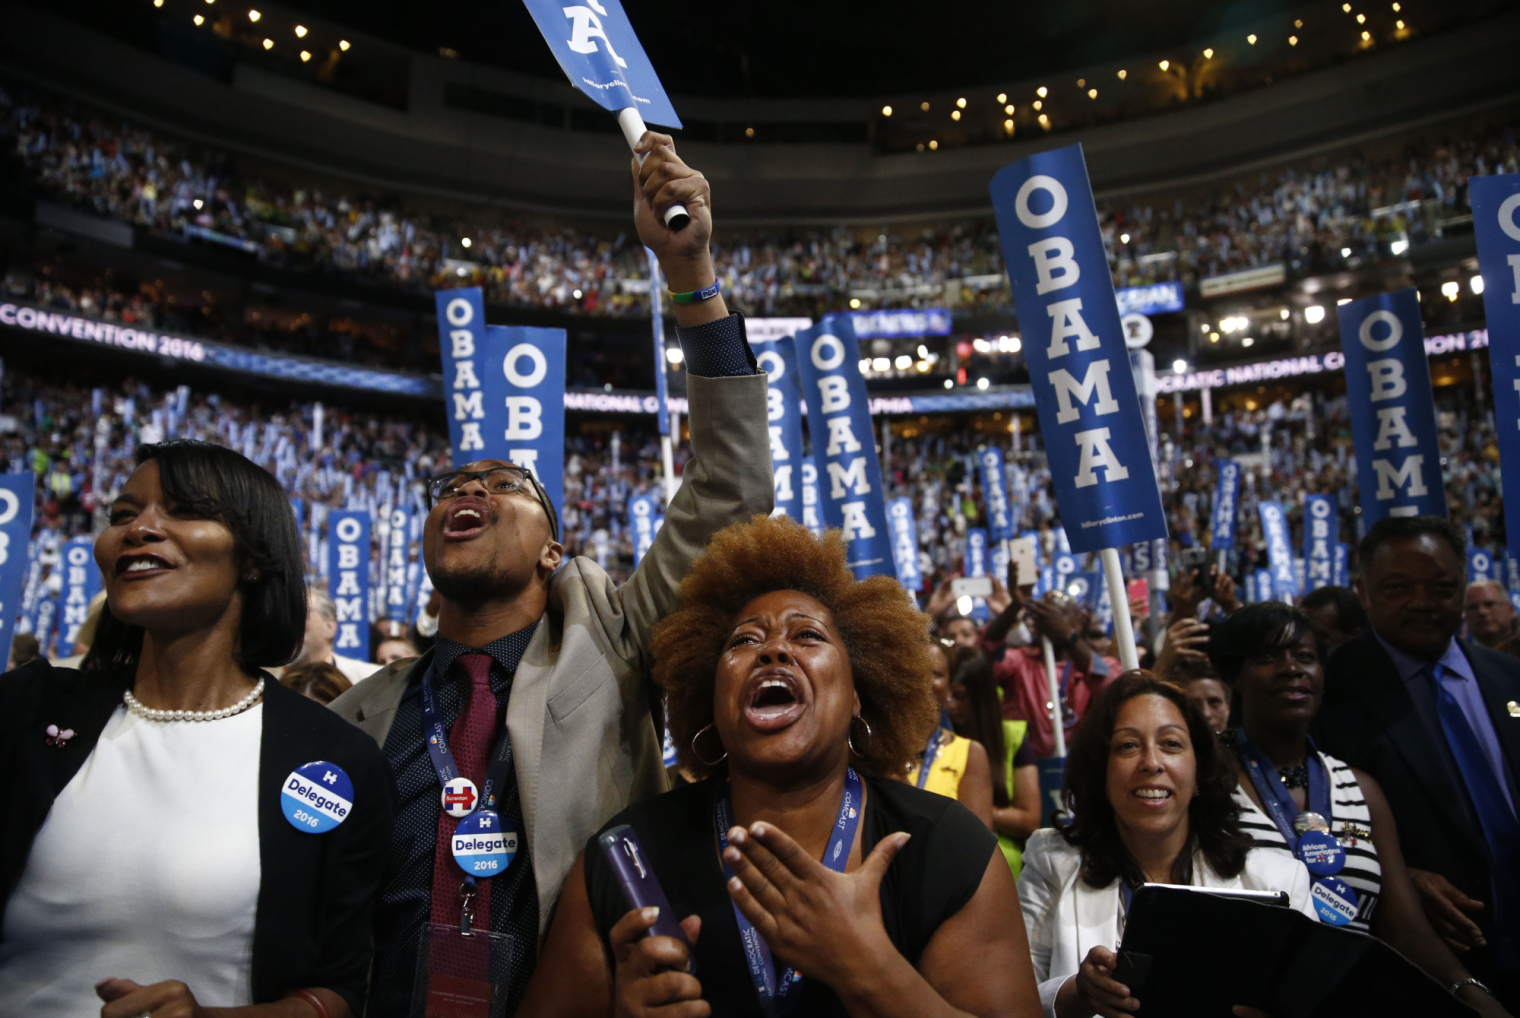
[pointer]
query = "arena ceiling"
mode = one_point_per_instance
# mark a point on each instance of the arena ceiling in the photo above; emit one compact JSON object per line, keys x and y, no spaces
{"x":792,"y":49}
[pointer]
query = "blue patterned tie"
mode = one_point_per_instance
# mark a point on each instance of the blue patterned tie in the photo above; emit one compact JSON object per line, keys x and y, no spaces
{"x":1500,"y":829}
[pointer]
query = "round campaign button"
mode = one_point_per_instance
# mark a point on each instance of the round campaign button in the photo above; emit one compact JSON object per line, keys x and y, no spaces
{"x":317,"y":797}
{"x":1334,"y":900}
{"x":1307,"y":821}
{"x":1321,"y":853}
{"x":460,"y":797}
{"x":481,"y":846}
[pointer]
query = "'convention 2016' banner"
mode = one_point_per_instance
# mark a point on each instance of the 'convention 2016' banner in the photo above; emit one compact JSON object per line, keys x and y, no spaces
{"x":844,"y":443}
{"x":783,"y":414}
{"x":597,"y":49}
{"x":348,"y":580}
{"x":81,"y":582}
{"x":1226,"y":496}
{"x":504,"y":390}
{"x":1000,"y":521}
{"x":1393,"y":419}
{"x":1319,"y":541}
{"x":643,"y":510}
{"x":1495,"y":201}
{"x":1090,"y":415}
{"x":1274,"y":529}
{"x":905,"y":542}
{"x":16,"y":498}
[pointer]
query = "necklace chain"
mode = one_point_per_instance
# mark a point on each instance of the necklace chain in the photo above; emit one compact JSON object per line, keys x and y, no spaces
{"x":137,"y":707}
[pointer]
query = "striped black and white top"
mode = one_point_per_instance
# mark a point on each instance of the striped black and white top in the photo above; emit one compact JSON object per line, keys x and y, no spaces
{"x":1350,"y":821}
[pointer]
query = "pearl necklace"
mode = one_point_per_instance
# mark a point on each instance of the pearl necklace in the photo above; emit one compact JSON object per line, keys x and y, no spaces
{"x":154,"y":714}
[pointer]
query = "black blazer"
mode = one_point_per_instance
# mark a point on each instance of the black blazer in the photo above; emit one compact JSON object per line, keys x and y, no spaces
{"x":316,"y":892}
{"x":1370,"y":720}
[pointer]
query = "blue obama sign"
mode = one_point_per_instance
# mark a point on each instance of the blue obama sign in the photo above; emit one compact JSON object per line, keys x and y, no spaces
{"x":783,"y":414}
{"x":1274,"y":529}
{"x":974,"y":563}
{"x":1495,"y":202}
{"x":1226,"y":495}
{"x":1393,"y":417}
{"x":1319,"y":541}
{"x":597,"y":49}
{"x":905,"y":542}
{"x":844,"y":445}
{"x":995,"y":493}
{"x":16,"y":498}
{"x":81,"y":582}
{"x":1085,"y":395}
{"x":643,"y":510}
{"x":348,"y":580}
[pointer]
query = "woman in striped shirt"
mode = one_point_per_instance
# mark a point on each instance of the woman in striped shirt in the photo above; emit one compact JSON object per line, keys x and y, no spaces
{"x":1294,"y":798}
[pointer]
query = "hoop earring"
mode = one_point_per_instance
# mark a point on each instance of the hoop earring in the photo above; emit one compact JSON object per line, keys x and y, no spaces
{"x":849,"y":739}
{"x":696,"y":753}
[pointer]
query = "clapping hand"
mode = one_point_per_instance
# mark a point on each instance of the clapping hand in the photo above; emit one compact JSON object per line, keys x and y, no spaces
{"x":825,"y":925}
{"x":651,"y":976}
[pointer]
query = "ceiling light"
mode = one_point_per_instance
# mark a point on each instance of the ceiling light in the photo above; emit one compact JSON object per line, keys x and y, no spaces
{"x":343,"y":45}
{"x":1205,"y":326}
{"x":576,"y":294}
{"x":1092,"y":93}
{"x":1044,"y":121}
{"x":300,"y":31}
{"x":923,"y":351}
{"x":254,"y":15}
{"x":1399,"y":25}
{"x":1345,"y":252}
{"x":924,"y":106}
{"x":1396,"y":8}
{"x":865,"y":365}
{"x":465,"y":241}
{"x":855,"y":303}
{"x":674,"y":354}
{"x":1251,"y":38}
{"x":955,"y":114}
{"x":1213,"y":337}
{"x":749,"y":132}
{"x":961,"y":102}
{"x":1124,"y":238}
{"x":1008,"y":109}
{"x":1179,"y":366}
{"x":1038,"y":105}
{"x":933,"y":145}
{"x":1208,"y":54}
{"x":158,"y":3}
{"x":1451,"y":289}
{"x":981,"y":345}
{"x":949,"y":384}
{"x":881,"y":364}
{"x":1283,"y":314}
{"x":197,"y":203}
{"x":1123,"y":74}
{"x":1346,"y":8}
{"x":1361,"y":19}
{"x":1475,"y":284}
{"x":1292,"y":40}
{"x":982,"y":383}
{"x":269,"y":44}
{"x":1298,"y":24}
{"x":922,"y":366}
{"x":1081,"y":82}
{"x":1041,"y":91}
{"x":1002,"y":97}
{"x":1366,"y":36}
{"x":199,"y":20}
{"x":305,"y":56}
{"x":1248,"y":341}
{"x":886,"y":111}
{"x":1165,"y":64}
{"x":902,"y":362}
{"x":1314,"y":314}
{"x":1008,"y":126}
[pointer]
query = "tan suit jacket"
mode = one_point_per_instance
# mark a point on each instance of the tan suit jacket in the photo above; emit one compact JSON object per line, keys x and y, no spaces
{"x":583,"y":738}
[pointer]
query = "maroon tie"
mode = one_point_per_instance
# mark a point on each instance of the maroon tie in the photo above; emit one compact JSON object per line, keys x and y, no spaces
{"x":470,"y":746}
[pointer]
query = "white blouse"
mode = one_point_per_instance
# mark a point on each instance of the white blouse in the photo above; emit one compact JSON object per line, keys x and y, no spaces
{"x":147,"y":868}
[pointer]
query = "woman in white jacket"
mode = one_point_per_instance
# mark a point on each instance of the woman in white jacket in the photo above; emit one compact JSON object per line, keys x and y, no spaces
{"x":1152,"y":795}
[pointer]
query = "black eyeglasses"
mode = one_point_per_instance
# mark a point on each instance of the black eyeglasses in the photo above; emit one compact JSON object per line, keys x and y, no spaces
{"x":504,"y":480}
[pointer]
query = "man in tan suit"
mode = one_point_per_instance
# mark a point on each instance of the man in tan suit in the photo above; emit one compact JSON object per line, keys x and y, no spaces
{"x":564,"y":651}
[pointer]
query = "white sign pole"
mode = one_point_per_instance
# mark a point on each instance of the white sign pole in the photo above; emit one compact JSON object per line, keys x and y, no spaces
{"x":1057,"y":711}
{"x":1124,"y":629}
{"x":633,"y":127}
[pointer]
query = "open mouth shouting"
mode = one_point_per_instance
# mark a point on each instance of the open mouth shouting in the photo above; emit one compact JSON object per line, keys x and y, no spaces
{"x":141,"y":566}
{"x":773,"y":700}
{"x":467,"y":517}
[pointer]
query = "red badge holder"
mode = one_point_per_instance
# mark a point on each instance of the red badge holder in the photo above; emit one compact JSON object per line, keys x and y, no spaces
{"x":462,"y":971}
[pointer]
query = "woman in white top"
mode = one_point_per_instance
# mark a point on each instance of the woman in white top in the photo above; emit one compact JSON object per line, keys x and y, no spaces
{"x":149,"y":853}
{"x":1151,"y":793}
{"x":1271,"y":655}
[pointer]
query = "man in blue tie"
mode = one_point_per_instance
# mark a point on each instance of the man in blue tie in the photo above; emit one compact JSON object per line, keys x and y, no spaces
{"x":1436,"y":721}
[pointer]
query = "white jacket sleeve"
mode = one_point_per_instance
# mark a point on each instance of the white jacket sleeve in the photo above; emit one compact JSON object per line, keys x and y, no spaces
{"x":1040,"y":889}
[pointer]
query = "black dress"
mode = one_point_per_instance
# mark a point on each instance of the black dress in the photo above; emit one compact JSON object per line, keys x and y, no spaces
{"x":930,"y":880}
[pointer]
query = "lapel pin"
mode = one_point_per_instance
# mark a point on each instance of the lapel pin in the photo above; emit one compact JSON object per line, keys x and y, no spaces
{"x":1513,"y":708}
{"x":58,"y":739}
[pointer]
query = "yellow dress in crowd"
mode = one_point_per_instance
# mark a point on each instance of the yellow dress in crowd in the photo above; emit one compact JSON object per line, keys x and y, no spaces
{"x":949,"y":766}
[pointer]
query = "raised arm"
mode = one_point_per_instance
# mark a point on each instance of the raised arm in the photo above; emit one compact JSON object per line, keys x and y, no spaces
{"x":728,"y":479}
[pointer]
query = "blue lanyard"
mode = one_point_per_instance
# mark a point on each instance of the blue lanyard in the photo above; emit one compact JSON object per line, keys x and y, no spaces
{"x":1275,"y":795}
{"x":436,"y":736}
{"x":778,"y":992}
{"x":931,"y":753}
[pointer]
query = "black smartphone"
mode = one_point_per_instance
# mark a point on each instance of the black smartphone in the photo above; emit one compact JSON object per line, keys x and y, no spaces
{"x":641,"y":889}
{"x":1198,"y":558}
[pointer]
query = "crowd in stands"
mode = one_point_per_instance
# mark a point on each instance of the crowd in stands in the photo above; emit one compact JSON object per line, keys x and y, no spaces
{"x":1318,"y":215}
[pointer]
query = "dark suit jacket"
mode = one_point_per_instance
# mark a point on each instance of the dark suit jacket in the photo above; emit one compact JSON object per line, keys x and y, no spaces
{"x":312,"y":925}
{"x":1370,"y":720}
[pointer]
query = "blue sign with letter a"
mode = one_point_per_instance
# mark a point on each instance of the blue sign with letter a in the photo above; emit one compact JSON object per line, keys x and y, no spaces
{"x":1090,"y":415}
{"x":597,"y":49}
{"x":905,"y":542}
{"x":783,"y":415}
{"x":16,"y":499}
{"x":844,"y":445}
{"x":1393,"y":415}
{"x":1495,"y":201}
